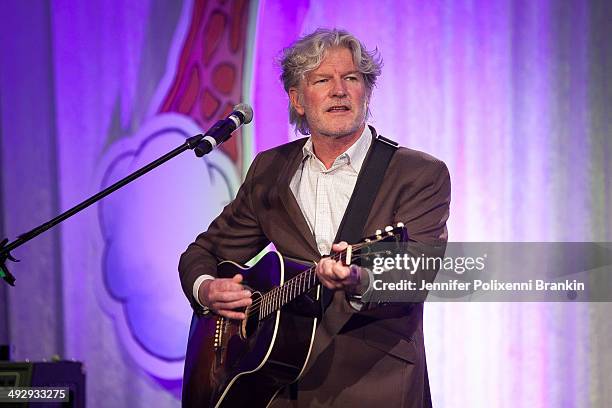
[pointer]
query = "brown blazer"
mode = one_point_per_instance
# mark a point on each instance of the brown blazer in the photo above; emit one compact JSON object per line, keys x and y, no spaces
{"x":360,"y":358}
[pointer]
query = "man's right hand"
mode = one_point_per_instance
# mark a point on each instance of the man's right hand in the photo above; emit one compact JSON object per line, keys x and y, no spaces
{"x":224,"y":295}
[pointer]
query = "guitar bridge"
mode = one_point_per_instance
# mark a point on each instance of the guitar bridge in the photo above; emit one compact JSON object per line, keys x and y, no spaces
{"x":220,"y":331}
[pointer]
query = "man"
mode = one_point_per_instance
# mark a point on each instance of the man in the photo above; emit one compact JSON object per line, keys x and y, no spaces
{"x":295,"y":196}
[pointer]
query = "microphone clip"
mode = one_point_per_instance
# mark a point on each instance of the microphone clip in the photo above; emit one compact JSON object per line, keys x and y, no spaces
{"x":207,"y":143}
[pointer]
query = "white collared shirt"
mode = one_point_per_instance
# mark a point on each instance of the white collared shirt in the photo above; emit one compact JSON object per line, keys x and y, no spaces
{"x":323,"y":194}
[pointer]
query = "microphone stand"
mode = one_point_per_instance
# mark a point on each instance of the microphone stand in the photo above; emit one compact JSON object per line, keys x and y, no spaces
{"x":6,"y":247}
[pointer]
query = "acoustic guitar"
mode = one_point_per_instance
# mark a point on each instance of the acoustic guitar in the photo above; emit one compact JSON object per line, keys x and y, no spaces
{"x":245,"y":363}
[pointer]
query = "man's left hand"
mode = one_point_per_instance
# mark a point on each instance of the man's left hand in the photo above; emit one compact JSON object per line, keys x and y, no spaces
{"x":335,"y":275}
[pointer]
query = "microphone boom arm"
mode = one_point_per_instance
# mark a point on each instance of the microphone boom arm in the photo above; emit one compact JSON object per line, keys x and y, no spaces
{"x":6,"y":247}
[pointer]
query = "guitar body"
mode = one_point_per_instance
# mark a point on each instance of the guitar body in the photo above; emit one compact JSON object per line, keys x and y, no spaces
{"x":245,"y":363}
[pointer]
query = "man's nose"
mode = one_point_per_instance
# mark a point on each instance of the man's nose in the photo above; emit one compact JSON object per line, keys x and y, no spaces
{"x":339,"y":88}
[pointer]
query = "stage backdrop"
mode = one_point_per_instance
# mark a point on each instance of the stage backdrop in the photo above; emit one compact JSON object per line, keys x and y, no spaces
{"x":513,"y":95}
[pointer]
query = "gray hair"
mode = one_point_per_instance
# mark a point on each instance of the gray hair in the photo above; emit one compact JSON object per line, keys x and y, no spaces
{"x":307,"y":53}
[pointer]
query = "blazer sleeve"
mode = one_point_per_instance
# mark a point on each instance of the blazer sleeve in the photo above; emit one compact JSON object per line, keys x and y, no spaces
{"x":234,"y":235}
{"x":423,"y":207}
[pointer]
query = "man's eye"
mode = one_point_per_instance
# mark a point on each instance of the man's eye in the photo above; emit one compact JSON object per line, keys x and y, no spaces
{"x":351,"y":78}
{"x":320,"y":81}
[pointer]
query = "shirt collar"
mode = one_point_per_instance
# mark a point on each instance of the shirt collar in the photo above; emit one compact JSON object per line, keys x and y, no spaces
{"x":355,"y":155}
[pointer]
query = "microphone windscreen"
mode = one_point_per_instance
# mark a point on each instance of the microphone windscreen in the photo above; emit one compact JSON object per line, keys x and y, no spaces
{"x":246,"y":110}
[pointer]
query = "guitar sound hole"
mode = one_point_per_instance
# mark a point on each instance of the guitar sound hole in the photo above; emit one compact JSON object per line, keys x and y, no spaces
{"x":251,"y":323}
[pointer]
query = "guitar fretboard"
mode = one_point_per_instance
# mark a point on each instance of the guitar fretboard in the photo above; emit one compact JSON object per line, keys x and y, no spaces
{"x":291,"y":289}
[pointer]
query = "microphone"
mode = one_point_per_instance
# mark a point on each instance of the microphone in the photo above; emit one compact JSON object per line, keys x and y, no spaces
{"x":222,"y":130}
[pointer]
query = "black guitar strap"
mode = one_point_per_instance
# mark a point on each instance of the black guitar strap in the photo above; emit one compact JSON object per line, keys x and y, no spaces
{"x":358,"y":209}
{"x":367,"y":186}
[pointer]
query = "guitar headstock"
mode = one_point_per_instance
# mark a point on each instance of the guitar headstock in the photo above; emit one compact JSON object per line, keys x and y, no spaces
{"x":390,"y":234}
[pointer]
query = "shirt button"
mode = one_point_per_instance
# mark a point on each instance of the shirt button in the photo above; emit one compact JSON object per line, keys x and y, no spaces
{"x":323,"y":248}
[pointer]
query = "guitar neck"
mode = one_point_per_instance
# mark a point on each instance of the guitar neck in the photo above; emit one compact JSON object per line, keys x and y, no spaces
{"x":305,"y":281}
{"x":291,"y":289}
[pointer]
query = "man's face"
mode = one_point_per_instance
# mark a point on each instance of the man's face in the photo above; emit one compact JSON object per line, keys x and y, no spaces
{"x":333,"y":97}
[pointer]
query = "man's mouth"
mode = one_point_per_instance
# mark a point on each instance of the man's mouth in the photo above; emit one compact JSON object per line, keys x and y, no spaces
{"x":339,"y":108}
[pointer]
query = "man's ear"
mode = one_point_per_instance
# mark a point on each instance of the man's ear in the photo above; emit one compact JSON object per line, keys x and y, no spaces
{"x":294,"y":98}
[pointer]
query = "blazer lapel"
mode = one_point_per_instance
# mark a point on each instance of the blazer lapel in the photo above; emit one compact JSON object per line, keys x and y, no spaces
{"x":294,"y":213}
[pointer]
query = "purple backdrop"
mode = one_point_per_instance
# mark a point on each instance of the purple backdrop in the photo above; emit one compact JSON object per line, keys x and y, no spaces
{"x":513,"y":95}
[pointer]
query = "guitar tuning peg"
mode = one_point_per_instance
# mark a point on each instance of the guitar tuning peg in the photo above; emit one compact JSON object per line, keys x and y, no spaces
{"x":400,"y":224}
{"x":388,"y":228}
{"x":378,"y":232}
{"x":368,"y":240}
